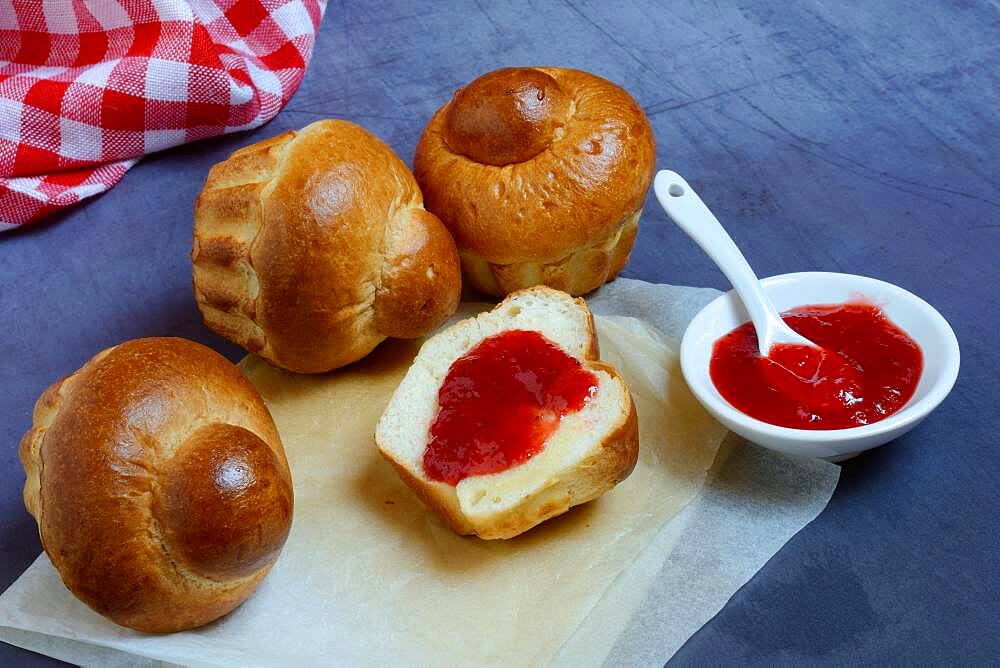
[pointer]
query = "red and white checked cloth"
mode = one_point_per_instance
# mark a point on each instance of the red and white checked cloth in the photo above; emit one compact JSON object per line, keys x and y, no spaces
{"x":87,"y":87}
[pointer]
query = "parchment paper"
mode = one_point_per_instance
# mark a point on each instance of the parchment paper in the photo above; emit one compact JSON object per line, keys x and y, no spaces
{"x":369,"y":576}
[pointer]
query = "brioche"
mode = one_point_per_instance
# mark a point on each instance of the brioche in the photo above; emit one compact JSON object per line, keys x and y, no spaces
{"x":312,"y":247}
{"x":159,"y":484}
{"x":589,"y":452}
{"x":540,"y":174}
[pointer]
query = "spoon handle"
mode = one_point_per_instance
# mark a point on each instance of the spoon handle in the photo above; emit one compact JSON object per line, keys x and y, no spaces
{"x":687,"y":210}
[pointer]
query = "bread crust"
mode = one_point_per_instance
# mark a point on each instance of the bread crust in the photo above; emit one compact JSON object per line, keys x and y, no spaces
{"x":310,"y":248}
{"x":610,"y":461}
{"x":582,"y":271}
{"x":439,"y":497}
{"x":159,"y":484}
{"x":562,"y":212}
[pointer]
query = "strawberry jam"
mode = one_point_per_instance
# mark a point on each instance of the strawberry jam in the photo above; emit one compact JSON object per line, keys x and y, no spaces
{"x":866,"y":370}
{"x":500,"y":402}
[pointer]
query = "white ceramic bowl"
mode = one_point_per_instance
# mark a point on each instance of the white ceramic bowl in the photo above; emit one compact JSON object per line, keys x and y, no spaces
{"x":915,"y":316}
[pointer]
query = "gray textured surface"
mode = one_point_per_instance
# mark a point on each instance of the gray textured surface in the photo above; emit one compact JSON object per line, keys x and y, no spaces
{"x":854,"y":136}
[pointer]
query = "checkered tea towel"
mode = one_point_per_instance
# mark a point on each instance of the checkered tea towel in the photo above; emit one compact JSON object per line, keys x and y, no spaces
{"x":87,"y":87}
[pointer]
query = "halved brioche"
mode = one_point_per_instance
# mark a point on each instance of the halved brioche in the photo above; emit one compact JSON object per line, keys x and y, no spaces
{"x":590,"y":452}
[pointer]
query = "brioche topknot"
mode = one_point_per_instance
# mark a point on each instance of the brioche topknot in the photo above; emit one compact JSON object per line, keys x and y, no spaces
{"x":540,"y":173}
{"x":159,"y":484}
{"x":312,"y":247}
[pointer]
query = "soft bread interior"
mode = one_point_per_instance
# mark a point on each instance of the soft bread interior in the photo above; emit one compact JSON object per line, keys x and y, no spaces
{"x":402,"y":432}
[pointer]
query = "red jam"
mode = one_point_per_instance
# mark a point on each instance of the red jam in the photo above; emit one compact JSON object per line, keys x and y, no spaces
{"x":500,"y":402}
{"x":867,"y":370}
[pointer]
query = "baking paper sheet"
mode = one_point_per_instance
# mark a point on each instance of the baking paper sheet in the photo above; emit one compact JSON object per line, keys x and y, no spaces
{"x":370,"y":576}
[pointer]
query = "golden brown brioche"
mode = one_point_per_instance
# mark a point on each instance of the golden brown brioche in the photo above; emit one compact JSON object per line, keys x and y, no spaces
{"x":159,"y":484}
{"x":540,"y":175}
{"x":591,"y":451}
{"x":310,"y":248}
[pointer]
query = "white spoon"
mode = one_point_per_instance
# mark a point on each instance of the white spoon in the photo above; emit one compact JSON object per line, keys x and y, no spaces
{"x":686,"y":209}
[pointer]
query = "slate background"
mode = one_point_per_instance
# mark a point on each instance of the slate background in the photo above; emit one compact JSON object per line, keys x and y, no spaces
{"x":844,"y":136}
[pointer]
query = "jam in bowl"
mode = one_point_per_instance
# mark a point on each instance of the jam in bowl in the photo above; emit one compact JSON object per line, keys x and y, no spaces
{"x":894,"y":359}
